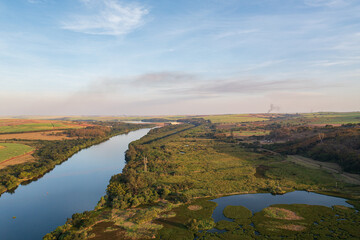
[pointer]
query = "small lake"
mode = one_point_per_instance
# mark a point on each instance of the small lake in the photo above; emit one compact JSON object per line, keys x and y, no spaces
{"x":257,"y":202}
{"x":74,"y":186}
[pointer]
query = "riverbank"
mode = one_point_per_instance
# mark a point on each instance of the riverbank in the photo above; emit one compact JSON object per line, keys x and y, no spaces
{"x":48,"y":154}
{"x":74,"y":186}
{"x":175,"y":165}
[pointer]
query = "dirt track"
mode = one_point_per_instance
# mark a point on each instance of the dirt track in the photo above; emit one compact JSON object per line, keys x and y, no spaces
{"x":27,"y":157}
{"x":329,"y":167}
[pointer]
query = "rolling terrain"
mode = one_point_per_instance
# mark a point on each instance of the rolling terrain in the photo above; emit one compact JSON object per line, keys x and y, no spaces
{"x":171,"y":173}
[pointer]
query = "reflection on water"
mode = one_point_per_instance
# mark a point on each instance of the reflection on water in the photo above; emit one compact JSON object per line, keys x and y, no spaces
{"x":74,"y":186}
{"x":259,"y":201}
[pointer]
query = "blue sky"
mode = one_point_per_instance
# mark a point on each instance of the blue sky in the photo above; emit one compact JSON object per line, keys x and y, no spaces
{"x":115,"y":57}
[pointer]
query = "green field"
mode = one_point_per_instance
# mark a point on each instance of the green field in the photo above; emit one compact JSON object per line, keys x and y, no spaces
{"x":250,"y":133}
{"x":100,"y":118}
{"x":333,"y":118}
{"x":9,"y":150}
{"x":29,"y":127}
{"x":312,"y":118}
{"x":233,"y":118}
{"x":226,"y":118}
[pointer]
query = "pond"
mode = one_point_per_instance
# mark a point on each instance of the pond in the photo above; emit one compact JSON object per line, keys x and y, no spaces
{"x":74,"y":186}
{"x":257,"y":202}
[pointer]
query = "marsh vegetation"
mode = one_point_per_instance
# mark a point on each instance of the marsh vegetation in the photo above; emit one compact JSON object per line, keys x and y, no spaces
{"x":174,"y":168}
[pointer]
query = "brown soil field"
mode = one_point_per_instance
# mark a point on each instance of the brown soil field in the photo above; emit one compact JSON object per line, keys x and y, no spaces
{"x":100,"y":231}
{"x":46,"y":135}
{"x":27,"y":157}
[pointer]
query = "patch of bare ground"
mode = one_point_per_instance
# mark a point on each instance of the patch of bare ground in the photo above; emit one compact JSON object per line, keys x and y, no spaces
{"x":194,"y":207}
{"x":281,"y":213}
{"x":27,"y":157}
{"x":45,"y":135}
{"x":341,"y":207}
{"x":107,"y":230}
{"x":292,"y":227}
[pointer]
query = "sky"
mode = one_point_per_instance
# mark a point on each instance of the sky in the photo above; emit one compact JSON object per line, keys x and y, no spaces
{"x":165,"y":57}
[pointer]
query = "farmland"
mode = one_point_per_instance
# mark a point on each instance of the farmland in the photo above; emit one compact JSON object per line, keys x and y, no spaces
{"x":20,"y":125}
{"x":319,"y":118}
{"x":236,"y":118}
{"x":11,"y":150}
{"x":41,"y":135}
{"x":333,"y":118}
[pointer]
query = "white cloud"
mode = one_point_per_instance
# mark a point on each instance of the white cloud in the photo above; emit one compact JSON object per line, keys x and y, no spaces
{"x":331,"y":63}
{"x":107,"y":17}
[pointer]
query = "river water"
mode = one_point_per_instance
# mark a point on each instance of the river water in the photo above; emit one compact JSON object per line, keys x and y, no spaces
{"x":74,"y":186}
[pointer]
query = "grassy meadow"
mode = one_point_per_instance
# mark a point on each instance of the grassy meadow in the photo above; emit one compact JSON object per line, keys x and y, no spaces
{"x":333,"y":118}
{"x":250,"y":133}
{"x":236,"y":118}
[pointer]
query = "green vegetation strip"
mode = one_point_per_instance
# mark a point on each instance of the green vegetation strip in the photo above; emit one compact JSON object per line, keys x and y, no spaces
{"x":33,"y":127}
{"x":232,"y":118}
{"x":10,"y":150}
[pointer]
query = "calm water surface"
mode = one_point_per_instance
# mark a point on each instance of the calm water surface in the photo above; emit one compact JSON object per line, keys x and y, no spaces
{"x":259,"y":201}
{"x":74,"y":186}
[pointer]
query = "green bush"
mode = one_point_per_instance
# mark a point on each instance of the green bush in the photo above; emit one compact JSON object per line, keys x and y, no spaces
{"x":237,"y":212}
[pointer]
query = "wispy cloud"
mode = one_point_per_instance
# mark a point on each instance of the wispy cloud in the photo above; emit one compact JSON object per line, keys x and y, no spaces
{"x":36,"y":1}
{"x":164,"y":79}
{"x":336,"y":62}
{"x":265,"y":64}
{"x":235,"y":33}
{"x":177,"y":85}
{"x":249,"y":85}
{"x":107,"y":17}
{"x":327,"y":3}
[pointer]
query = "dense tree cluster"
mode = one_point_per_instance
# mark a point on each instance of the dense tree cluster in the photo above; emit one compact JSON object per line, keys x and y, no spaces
{"x":91,"y":131}
{"x":156,"y":120}
{"x":329,"y":144}
{"x":194,"y":121}
{"x":136,"y":186}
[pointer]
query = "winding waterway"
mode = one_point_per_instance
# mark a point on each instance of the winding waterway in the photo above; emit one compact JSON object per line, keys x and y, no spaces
{"x":74,"y":186}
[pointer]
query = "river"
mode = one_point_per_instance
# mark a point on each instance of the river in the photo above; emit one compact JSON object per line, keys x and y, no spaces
{"x":74,"y":186}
